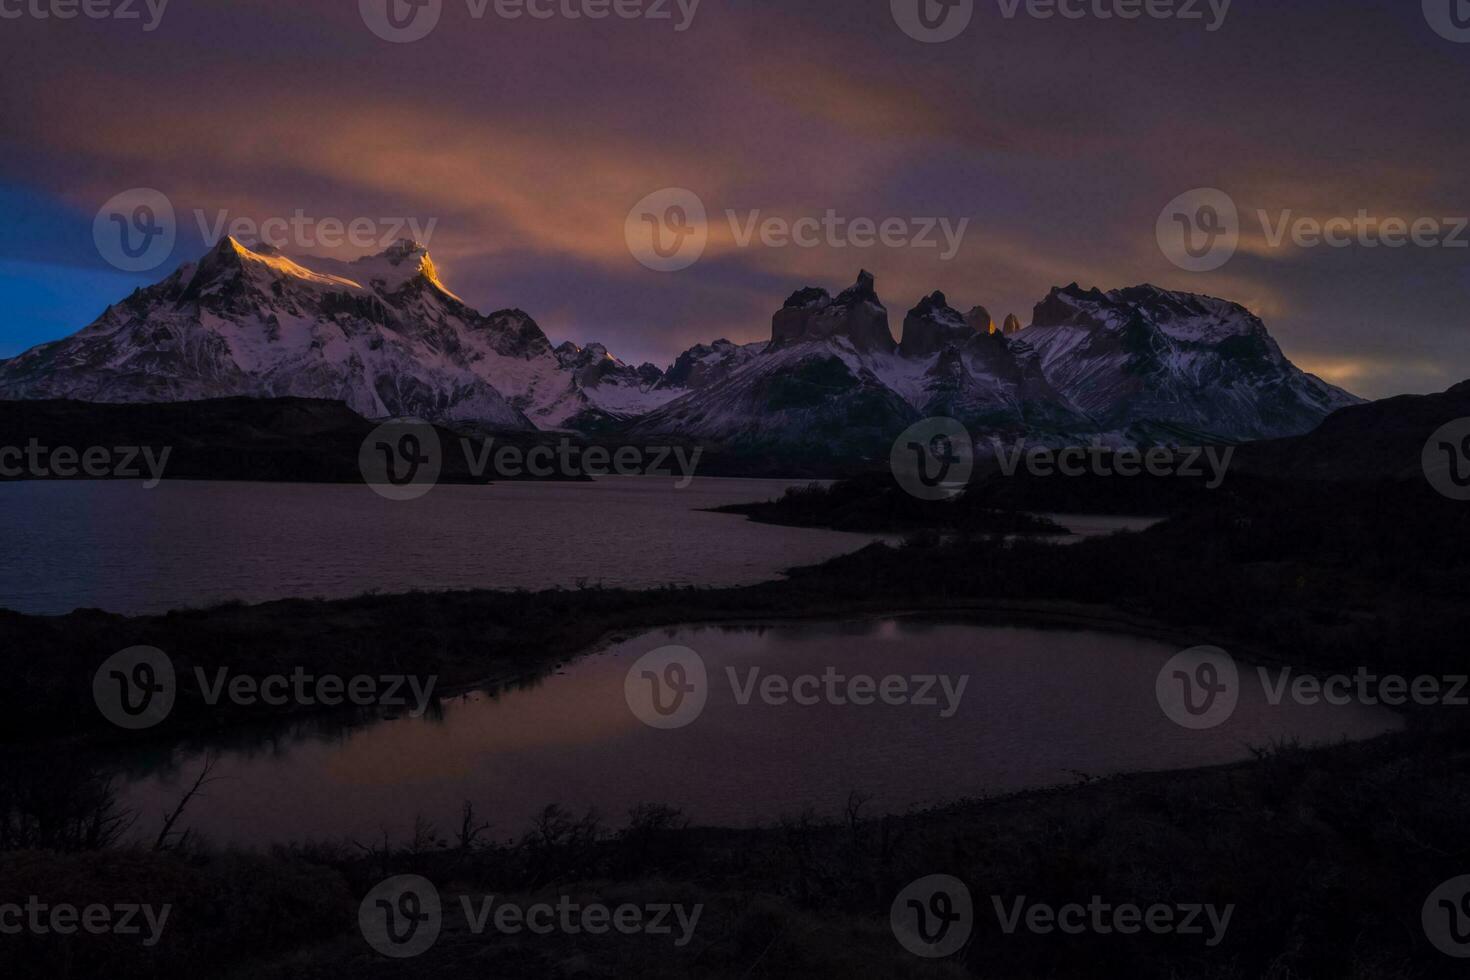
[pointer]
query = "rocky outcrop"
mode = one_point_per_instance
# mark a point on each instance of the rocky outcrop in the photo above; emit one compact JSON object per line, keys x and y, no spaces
{"x":980,"y":320}
{"x":856,"y":314}
{"x":1012,"y":325}
{"x":1147,"y":360}
{"x":704,"y":364}
{"x":932,"y":326}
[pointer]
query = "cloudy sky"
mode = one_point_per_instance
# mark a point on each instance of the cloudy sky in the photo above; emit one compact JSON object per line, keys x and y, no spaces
{"x":519,"y":145}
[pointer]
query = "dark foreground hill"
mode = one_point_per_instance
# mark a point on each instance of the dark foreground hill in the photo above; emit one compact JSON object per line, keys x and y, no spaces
{"x":273,"y":439}
{"x":1379,"y":440}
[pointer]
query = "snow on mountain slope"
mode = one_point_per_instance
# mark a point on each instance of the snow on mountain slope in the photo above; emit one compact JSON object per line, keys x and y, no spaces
{"x":704,"y":364}
{"x":382,"y":334}
{"x":1138,"y":365}
{"x":833,"y":379}
{"x":820,"y":396}
{"x":243,"y":322}
{"x":991,"y":382}
{"x":1145,"y":356}
{"x":815,"y":388}
{"x":386,"y":336}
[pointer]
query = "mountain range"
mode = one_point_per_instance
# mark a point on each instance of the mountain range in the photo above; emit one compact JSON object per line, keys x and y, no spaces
{"x":386,"y":336}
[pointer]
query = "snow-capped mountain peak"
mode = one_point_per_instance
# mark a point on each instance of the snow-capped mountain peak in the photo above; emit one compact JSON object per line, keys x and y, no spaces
{"x":385,"y":335}
{"x":1146,"y":356}
{"x":1141,"y":365}
{"x":260,"y":268}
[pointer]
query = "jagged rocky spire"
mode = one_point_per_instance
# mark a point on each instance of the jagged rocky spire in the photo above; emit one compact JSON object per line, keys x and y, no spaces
{"x":856,"y":314}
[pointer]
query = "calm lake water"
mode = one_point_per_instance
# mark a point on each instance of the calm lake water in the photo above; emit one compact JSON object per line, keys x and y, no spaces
{"x":121,"y":547}
{"x":1039,"y":708}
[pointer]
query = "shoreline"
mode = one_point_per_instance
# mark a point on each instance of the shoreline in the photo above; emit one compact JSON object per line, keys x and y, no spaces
{"x":1035,"y":614}
{"x":1042,"y":616}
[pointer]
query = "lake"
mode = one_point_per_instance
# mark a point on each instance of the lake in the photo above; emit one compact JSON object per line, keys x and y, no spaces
{"x":118,"y":546}
{"x":1038,"y":707}
{"x":126,"y":549}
